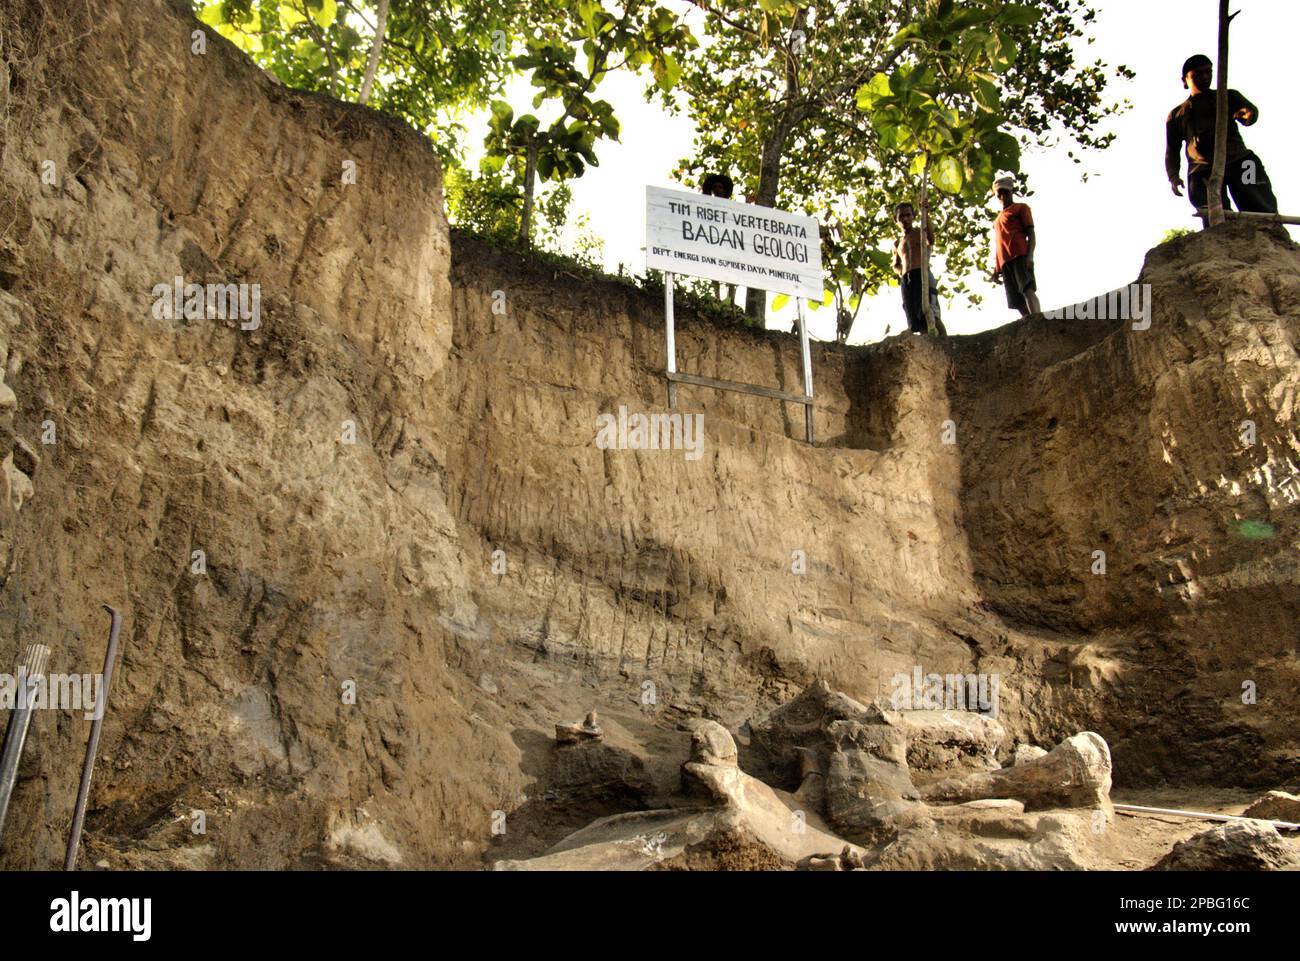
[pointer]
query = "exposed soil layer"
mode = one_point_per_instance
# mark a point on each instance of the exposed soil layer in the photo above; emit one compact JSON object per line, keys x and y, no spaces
{"x":346,"y":676}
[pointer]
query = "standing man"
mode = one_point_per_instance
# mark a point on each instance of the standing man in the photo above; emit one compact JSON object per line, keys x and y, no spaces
{"x":722,"y":187}
{"x":908,"y":265}
{"x":1015,"y":242}
{"x":1192,"y":122}
{"x":718,"y":185}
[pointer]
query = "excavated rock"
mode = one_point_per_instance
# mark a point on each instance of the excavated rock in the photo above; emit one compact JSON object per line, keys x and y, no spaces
{"x":711,"y":743}
{"x":949,"y":740}
{"x":393,"y":489}
{"x":976,"y":837}
{"x":1233,"y":846}
{"x":747,"y":821}
{"x":1028,"y":752}
{"x":1275,"y":806}
{"x":864,"y":793}
{"x":1076,"y":773}
{"x":578,"y":732}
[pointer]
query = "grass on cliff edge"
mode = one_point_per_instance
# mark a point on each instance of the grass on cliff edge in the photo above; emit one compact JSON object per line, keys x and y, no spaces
{"x":689,"y":293}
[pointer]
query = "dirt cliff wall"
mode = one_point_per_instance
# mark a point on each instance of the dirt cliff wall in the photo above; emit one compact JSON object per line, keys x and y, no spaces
{"x":326,"y":562}
{"x":332,"y":567}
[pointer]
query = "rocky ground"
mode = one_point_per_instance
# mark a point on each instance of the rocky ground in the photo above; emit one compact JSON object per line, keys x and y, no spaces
{"x":413,"y":560}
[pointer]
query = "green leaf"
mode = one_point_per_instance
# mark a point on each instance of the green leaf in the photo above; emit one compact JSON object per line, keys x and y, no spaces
{"x":948,"y":175}
{"x":1003,"y":150}
{"x":323,"y":11}
{"x":1019,"y":15}
{"x":290,"y":15}
{"x":872,"y":91}
{"x":780,"y":300}
{"x":212,"y":14}
{"x":880,"y":259}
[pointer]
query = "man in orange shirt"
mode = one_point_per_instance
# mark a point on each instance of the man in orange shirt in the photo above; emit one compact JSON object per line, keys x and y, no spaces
{"x":1015,"y":245}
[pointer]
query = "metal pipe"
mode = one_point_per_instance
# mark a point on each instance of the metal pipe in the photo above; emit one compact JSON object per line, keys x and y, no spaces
{"x":672,"y":338}
{"x":806,"y":351}
{"x":31,"y":668}
{"x":96,"y":727}
{"x":1136,"y":809}
{"x":1253,"y":215}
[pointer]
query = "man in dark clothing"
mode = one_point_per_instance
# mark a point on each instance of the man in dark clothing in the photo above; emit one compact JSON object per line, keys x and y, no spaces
{"x":718,"y":185}
{"x":1192,"y":122}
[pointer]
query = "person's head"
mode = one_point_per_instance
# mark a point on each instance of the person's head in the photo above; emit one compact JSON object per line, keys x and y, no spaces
{"x":718,"y":185}
{"x":905,"y":214}
{"x":1198,"y":73}
{"x":1005,"y":190}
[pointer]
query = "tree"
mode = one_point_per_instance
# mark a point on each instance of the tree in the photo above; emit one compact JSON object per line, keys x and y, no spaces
{"x":1214,"y":187}
{"x":774,"y":96}
{"x":429,"y":62}
{"x":944,"y":107}
{"x":376,"y":47}
{"x":642,"y":33}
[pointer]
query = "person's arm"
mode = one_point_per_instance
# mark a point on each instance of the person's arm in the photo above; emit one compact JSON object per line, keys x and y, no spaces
{"x":1245,"y":112}
{"x":1027,"y":225}
{"x":1174,"y":153}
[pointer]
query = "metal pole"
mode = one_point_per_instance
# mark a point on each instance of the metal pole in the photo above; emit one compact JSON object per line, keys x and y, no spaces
{"x":806,"y":350}
{"x":1135,"y":809}
{"x":1214,"y":188}
{"x":1251,"y":215}
{"x":672,"y":338}
{"x":96,"y":727}
{"x":32,"y":667}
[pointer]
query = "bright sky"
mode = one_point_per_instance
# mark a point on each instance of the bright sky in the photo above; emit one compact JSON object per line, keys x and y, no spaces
{"x":1092,"y":237}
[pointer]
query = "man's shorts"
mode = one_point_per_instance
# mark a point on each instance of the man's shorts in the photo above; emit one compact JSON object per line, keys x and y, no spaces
{"x":1018,"y":276}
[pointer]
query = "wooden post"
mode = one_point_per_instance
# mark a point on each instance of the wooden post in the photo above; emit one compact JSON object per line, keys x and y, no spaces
{"x":1214,"y":189}
{"x":926,"y":311}
{"x":806,"y":351}
{"x":671,"y":340}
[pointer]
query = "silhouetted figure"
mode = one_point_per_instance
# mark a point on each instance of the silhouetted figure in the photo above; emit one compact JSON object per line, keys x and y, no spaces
{"x":1192,"y":123}
{"x":718,"y":185}
{"x":721,"y":186}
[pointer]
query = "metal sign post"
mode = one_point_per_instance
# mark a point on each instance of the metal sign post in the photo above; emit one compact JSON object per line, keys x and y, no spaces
{"x":672,"y":340}
{"x":806,"y":351}
{"x":674,"y":378}
{"x":738,"y":244}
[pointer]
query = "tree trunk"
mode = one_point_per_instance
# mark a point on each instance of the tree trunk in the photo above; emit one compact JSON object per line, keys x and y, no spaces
{"x":926,"y":309}
{"x":530,"y":180}
{"x":376,"y":47}
{"x":769,"y":179}
{"x":1214,"y":189}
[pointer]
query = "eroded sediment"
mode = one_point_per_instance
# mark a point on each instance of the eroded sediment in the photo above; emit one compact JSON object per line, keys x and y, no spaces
{"x":328,"y":563}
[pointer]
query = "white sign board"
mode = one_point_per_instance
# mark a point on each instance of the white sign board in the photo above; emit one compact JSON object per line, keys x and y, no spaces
{"x":741,"y":244}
